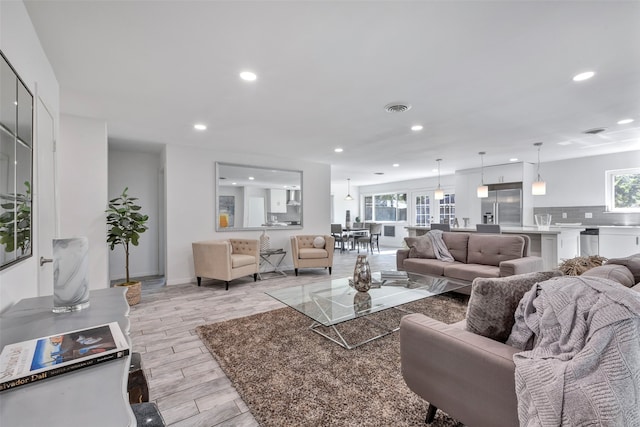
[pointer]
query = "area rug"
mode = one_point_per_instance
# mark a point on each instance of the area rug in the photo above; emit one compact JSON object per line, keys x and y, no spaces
{"x":291,"y":376}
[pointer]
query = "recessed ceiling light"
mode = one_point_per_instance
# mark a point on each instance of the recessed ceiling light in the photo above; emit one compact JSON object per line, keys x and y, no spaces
{"x":234,"y":183}
{"x":434,"y":170}
{"x":251,"y":178}
{"x":565,"y":143}
{"x":200,"y":126}
{"x":625,"y":121}
{"x":338,"y":150}
{"x":416,"y":128}
{"x":513,"y":159}
{"x":583,"y":76}
{"x":395,"y":165}
{"x":248,"y":76}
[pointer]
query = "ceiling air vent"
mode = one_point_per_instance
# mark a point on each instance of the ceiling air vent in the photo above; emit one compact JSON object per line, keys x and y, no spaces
{"x":396,"y":107}
{"x":594,"y":131}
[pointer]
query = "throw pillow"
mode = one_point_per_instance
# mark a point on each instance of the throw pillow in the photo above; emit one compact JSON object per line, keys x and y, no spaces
{"x":319,"y":242}
{"x":617,"y":273}
{"x":420,"y":247}
{"x":631,"y":262}
{"x":493,"y":302}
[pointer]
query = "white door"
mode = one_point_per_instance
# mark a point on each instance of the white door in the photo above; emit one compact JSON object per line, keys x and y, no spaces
{"x":45,"y":195}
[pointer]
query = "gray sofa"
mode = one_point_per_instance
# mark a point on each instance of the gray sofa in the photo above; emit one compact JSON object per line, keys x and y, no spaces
{"x":466,"y":369}
{"x":475,"y":255}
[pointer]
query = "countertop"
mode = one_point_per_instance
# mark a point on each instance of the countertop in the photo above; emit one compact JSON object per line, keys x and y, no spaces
{"x":514,"y":230}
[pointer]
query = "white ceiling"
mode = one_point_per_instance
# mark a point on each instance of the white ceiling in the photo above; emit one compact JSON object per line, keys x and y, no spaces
{"x":492,"y":76}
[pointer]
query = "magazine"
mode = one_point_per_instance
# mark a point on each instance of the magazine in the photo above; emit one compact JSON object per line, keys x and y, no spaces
{"x":34,"y":360}
{"x":393,"y":275}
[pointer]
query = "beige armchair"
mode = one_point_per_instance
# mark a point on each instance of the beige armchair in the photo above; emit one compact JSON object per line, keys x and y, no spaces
{"x":308,"y":251}
{"x":226,"y":259}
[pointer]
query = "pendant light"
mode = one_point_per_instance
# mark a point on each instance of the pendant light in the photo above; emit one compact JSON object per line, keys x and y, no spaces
{"x":539,"y":187}
{"x":439,"y":194}
{"x":483,"y":190}
{"x":349,"y":190}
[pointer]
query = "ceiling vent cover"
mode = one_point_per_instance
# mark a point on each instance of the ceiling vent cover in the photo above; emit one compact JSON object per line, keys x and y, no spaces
{"x":594,"y":131}
{"x":396,"y":107}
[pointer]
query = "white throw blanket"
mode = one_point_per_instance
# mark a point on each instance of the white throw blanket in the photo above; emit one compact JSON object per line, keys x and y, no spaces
{"x":584,"y":367}
{"x":439,"y":247}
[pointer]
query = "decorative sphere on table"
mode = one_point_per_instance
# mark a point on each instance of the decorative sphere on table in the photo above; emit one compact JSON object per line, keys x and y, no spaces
{"x":362,"y":274}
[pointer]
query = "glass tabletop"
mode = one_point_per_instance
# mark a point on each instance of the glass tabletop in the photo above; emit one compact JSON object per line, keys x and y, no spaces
{"x":334,"y":301}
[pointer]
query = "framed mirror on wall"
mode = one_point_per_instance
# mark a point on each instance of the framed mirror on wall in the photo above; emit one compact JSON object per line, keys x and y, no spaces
{"x":254,"y":198}
{"x":16,"y":166}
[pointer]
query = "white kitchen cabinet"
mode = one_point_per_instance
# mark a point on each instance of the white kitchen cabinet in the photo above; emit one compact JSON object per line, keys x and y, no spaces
{"x":277,"y":201}
{"x":619,"y":242}
{"x":499,"y":174}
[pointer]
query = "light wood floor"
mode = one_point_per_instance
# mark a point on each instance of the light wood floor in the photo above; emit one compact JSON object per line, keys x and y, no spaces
{"x":184,"y":379}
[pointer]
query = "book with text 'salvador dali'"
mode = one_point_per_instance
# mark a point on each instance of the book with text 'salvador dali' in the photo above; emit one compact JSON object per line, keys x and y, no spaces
{"x":41,"y":358}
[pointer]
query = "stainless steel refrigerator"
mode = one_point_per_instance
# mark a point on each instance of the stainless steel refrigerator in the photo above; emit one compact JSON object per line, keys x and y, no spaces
{"x":504,"y":205}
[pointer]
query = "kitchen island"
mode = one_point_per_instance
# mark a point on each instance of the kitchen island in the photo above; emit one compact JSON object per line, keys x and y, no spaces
{"x":553,"y":245}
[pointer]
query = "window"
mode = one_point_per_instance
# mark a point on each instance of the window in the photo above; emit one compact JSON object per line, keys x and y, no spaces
{"x":447,"y":209}
{"x":386,"y":207}
{"x":423,"y":210}
{"x":623,"y":190}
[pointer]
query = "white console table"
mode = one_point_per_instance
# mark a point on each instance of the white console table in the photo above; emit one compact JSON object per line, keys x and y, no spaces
{"x":95,"y":396}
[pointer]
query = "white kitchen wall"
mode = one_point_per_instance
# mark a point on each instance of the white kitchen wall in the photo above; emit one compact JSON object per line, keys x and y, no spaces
{"x":82,"y":178}
{"x":581,"y":181}
{"x":140,"y":172}
{"x":190,"y":215}
{"x":19,"y":42}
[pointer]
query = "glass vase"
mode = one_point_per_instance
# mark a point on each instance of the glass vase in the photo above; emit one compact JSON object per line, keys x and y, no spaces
{"x":70,"y":274}
{"x":362,"y":274}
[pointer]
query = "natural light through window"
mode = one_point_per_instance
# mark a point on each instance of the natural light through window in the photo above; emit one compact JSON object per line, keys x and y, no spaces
{"x":623,"y":190}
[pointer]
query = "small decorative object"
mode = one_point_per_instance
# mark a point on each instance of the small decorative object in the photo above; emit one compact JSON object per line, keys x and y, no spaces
{"x":126,"y":224}
{"x":361,"y":302}
{"x":347,"y":219}
{"x":543,"y":221}
{"x":70,"y":271}
{"x":357,"y":219}
{"x":362,"y":274}
{"x":578,"y":265}
{"x":265,"y":242}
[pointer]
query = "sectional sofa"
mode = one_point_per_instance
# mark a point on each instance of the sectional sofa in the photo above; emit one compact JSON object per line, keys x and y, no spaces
{"x":466,"y":369}
{"x":474,"y":254}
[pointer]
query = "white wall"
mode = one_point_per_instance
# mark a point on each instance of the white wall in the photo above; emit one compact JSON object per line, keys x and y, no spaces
{"x":140,"y":172}
{"x":19,"y":42}
{"x":581,"y":181}
{"x":190,"y":179}
{"x":82,"y":177}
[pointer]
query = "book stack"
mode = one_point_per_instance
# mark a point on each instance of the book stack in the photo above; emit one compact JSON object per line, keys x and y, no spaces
{"x":392,"y":277}
{"x":41,"y":358}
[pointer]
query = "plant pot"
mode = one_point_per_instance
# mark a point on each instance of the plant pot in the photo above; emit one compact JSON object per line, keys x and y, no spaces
{"x":134,"y":289}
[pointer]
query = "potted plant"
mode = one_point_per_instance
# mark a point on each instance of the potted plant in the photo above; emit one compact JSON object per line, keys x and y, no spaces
{"x":15,"y":223}
{"x":126,"y":223}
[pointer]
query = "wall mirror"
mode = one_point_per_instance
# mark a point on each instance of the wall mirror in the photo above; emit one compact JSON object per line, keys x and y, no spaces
{"x":16,"y":166}
{"x":254,"y":198}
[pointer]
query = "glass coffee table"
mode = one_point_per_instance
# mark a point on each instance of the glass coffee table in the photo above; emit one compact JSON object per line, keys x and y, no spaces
{"x":333,"y":302}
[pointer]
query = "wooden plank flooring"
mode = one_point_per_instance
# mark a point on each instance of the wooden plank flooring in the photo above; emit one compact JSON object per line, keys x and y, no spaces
{"x":184,"y":379}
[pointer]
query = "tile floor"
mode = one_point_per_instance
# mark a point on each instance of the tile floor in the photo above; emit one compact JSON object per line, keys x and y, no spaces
{"x":184,"y":379}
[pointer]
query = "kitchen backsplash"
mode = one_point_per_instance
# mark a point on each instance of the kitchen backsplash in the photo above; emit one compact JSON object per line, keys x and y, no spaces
{"x":598,"y":215}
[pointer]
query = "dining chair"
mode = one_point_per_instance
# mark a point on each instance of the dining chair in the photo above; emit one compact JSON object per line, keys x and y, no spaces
{"x":443,"y":227}
{"x":364,"y":239}
{"x":339,"y":236}
{"x":375,"y":232}
{"x":488,"y":228}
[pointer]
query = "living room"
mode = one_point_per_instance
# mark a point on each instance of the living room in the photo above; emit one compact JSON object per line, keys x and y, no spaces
{"x":87,"y":141}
